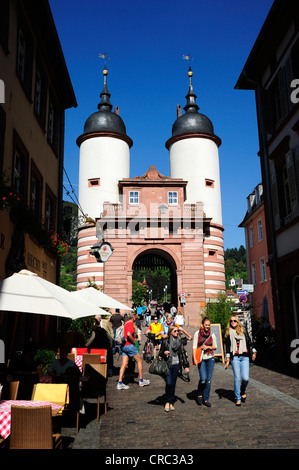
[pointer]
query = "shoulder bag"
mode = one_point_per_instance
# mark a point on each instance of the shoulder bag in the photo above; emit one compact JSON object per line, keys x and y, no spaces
{"x":159,"y":367}
{"x":199,"y":352}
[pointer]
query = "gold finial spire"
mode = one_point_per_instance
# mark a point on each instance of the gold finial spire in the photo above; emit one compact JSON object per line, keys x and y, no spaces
{"x":105,"y":57}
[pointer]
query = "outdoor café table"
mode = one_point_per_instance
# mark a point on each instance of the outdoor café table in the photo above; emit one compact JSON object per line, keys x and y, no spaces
{"x":5,"y":412}
{"x":79,"y":361}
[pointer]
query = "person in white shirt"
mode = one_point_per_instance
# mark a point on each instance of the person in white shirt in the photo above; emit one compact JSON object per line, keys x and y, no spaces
{"x":179,"y":319}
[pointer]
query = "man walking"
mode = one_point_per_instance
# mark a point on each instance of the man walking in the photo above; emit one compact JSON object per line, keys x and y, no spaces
{"x":130,"y":350}
{"x":116,"y":321}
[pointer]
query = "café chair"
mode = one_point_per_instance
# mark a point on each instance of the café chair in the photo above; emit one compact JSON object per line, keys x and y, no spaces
{"x":31,"y":428}
{"x":96,"y":385}
{"x":54,"y":393}
{"x":90,"y":359}
{"x":10,"y":390}
{"x":102,"y":352}
{"x":81,"y":351}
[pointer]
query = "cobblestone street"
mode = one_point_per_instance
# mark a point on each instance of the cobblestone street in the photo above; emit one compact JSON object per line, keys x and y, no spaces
{"x":136,"y":418}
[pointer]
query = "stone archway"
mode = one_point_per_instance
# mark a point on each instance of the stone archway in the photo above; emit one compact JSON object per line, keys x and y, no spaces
{"x":153,"y":258}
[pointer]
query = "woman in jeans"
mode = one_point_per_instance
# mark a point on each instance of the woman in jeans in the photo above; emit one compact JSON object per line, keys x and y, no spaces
{"x":172,"y":350}
{"x":207,"y":341}
{"x":238,"y":346}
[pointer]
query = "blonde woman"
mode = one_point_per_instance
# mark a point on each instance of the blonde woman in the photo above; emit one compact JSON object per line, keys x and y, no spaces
{"x":238,"y":352}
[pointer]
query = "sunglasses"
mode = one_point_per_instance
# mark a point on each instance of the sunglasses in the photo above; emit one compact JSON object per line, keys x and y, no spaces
{"x":234,"y":321}
{"x":175,"y":331}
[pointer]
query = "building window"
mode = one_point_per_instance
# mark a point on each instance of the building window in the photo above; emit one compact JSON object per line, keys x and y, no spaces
{"x":260,"y":230}
{"x":250,"y":237}
{"x":93,"y":182}
{"x":172,"y":197}
{"x":134,"y":197}
{"x":24,"y":57}
{"x":40,"y":95}
{"x":209,"y":183}
{"x":20,"y":168}
{"x":50,"y":210}
{"x":36,"y":190}
{"x":54,"y":126}
{"x":253,"y":274}
{"x":263,"y":269}
{"x":279,"y":98}
{"x":4,"y":24}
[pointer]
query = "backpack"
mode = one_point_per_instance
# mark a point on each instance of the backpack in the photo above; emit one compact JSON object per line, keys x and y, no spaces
{"x":119,"y":335}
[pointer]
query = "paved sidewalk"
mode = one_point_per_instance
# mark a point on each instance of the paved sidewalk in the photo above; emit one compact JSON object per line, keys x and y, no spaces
{"x":136,"y":418}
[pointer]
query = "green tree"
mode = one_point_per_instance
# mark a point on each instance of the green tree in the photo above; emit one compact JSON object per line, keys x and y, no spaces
{"x":139,"y":293}
{"x":219,"y":312}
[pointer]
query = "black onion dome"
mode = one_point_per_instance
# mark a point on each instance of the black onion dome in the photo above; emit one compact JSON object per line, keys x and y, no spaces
{"x":192,"y":124}
{"x":104,"y":120}
{"x":192,"y":121}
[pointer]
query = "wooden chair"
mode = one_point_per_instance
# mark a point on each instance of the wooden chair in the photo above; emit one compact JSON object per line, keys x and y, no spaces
{"x":90,"y":359}
{"x":74,"y":394}
{"x":31,"y":428}
{"x":13,"y":390}
{"x":102,"y":370}
{"x":54,"y":393}
{"x":96,"y":385}
{"x":10,"y":390}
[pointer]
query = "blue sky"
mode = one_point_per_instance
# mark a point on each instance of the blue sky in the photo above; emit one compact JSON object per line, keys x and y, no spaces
{"x":145,"y":42}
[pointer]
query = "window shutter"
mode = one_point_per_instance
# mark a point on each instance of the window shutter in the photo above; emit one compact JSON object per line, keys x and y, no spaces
{"x":283,"y":98}
{"x":274,"y":194}
{"x":292,"y":183}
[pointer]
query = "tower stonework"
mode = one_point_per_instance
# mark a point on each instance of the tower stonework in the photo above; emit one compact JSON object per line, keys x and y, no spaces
{"x":153,"y":217}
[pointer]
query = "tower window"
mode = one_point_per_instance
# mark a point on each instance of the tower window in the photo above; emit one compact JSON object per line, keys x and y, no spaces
{"x":134,"y":197}
{"x":94,"y":182}
{"x":212,"y":252}
{"x":209,"y":183}
{"x":172,"y":197}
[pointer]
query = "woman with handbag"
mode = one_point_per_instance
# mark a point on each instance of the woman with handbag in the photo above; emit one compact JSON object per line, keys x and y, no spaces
{"x":172,"y":350}
{"x":239,"y":350}
{"x":204,"y":344}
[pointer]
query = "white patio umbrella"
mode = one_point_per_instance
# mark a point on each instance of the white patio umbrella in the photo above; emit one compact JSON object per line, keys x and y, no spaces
{"x":97,"y":297}
{"x":27,"y":292}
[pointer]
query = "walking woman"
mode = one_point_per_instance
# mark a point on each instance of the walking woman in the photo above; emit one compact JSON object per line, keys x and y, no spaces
{"x":238,"y":352}
{"x":206,"y":340}
{"x":172,"y":350}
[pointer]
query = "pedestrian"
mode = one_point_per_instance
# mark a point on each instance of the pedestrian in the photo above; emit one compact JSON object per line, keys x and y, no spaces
{"x":173,"y":310}
{"x":169,"y":321}
{"x":116,"y":321}
{"x":130,"y":350}
{"x":239,"y":350}
{"x":179,"y":318}
{"x":172,"y":350}
{"x":100,"y":339}
{"x":206,"y":340}
{"x":156,"y":329}
{"x":148,"y":316}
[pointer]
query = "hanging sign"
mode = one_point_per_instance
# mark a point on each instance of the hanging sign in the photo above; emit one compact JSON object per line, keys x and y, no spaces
{"x":102,"y":251}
